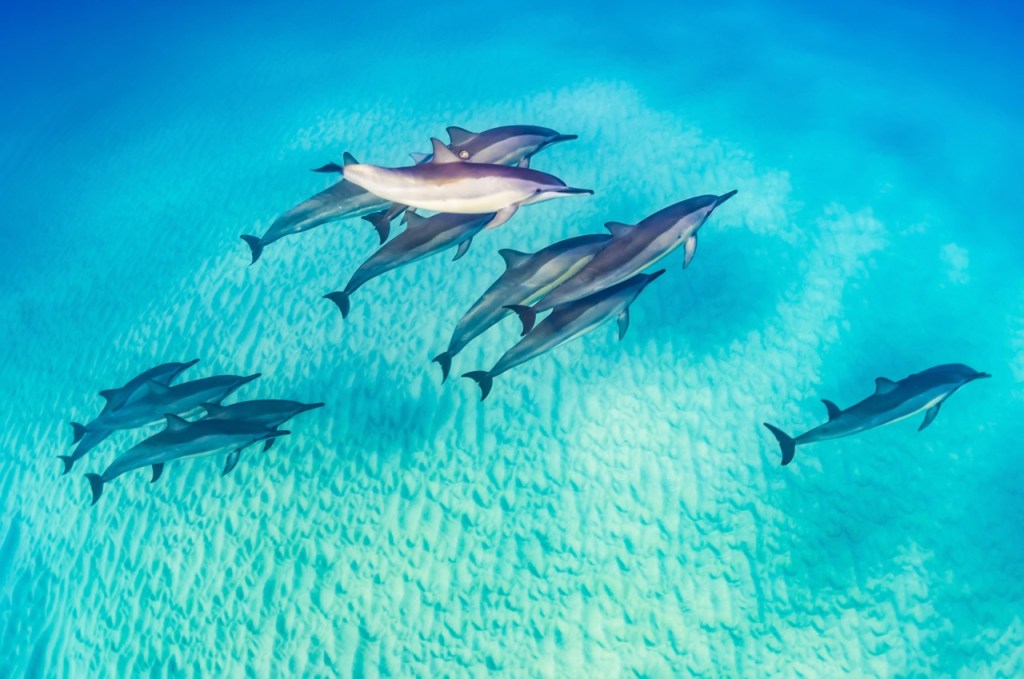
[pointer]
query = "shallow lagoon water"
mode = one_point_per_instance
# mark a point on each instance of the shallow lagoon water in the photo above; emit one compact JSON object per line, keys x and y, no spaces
{"x":613,"y":508}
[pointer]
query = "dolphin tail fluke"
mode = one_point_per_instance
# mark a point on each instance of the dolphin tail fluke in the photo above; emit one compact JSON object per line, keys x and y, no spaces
{"x":483,"y":380}
{"x":68,"y":461}
{"x":96,"y":485}
{"x":444,"y":359}
{"x":79,"y":431}
{"x":381,"y":223}
{"x":341,"y":300}
{"x":786,"y":442}
{"x":526,"y":314}
{"x":255,"y":244}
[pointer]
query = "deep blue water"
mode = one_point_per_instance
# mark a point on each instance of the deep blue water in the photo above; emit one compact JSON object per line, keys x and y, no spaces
{"x":613,"y":508}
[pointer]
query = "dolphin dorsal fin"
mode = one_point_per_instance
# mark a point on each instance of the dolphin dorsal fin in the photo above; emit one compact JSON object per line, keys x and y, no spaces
{"x":884,"y":385}
{"x":157,"y":388}
{"x":412,"y":220}
{"x":175,"y":423}
{"x":212,"y":409}
{"x":513,"y":258}
{"x":459,"y":135}
{"x":617,"y":229}
{"x":418,"y":157}
{"x":107,"y":393}
{"x":442,"y":154}
{"x":832,"y":408}
{"x":348,"y":159}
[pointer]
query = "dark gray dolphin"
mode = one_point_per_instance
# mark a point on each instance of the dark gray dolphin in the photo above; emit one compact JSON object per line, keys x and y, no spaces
{"x":344,"y":200}
{"x":505,"y":145}
{"x":527,"y":278}
{"x":270,"y":413}
{"x":182,"y":439}
{"x":179,"y":399}
{"x":567,"y":322}
{"x":424,"y":236}
{"x":892,"y":401}
{"x":136,"y":388}
{"x":447,"y":184}
{"x":635,"y":248}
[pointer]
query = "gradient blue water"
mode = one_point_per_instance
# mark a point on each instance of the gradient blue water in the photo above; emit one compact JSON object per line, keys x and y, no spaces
{"x":614,"y":508}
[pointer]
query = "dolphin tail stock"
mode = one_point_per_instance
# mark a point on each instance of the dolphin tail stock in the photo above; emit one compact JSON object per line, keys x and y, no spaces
{"x":381,"y":223}
{"x":483,"y":379}
{"x":96,"y":485}
{"x":444,"y":359}
{"x":255,"y":244}
{"x":79,"y":430}
{"x":526,"y":314}
{"x":340,"y":298}
{"x":68,"y":461}
{"x":786,"y":442}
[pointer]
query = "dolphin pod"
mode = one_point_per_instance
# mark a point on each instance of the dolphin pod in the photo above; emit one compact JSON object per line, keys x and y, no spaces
{"x":508,"y":145}
{"x":925,"y":392}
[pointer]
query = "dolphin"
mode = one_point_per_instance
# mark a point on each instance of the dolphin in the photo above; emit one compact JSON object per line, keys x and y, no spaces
{"x":633,"y":249}
{"x":447,"y":184}
{"x":424,"y":236}
{"x":269,"y":413}
{"x":567,"y":322}
{"x":506,"y":145}
{"x":527,"y":278}
{"x":136,"y":388}
{"x":344,"y":200}
{"x":179,"y":399}
{"x":182,"y":439}
{"x":892,"y":401}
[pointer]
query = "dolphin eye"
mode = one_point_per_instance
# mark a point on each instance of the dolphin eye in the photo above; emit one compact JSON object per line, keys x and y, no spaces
{"x":463,"y":154}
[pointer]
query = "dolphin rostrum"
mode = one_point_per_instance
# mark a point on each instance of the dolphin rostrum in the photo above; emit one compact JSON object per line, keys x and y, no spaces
{"x":424,"y":236}
{"x":269,"y":413}
{"x":527,"y":278}
{"x":567,"y":322}
{"x":447,"y":184}
{"x":182,"y":439}
{"x":925,"y":391}
{"x":635,"y":248}
{"x":179,"y":399}
{"x":506,"y":145}
{"x":344,"y":200}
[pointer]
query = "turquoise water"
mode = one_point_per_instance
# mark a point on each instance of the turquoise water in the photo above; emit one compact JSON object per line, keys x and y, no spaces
{"x":613,"y":508}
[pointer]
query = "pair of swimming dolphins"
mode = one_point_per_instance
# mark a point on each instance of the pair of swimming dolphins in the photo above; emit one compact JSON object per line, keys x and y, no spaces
{"x":377,"y":194}
{"x":149,"y":398}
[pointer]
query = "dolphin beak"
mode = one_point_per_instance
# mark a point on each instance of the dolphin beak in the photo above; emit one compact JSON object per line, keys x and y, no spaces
{"x":724,"y":197}
{"x":571,"y":191}
{"x":562,"y":137}
{"x":981,"y":376}
{"x":311,"y":406}
{"x":653,"y":277}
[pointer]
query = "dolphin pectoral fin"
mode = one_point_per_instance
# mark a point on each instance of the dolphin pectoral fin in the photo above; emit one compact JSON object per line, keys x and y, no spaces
{"x":381,"y":224}
{"x":158,"y":470}
{"x":623,"y":323}
{"x":930,"y":416}
{"x":526,"y":314}
{"x":79,"y":431}
{"x":884,"y":385}
{"x":524,"y":163}
{"x":268,"y":444}
{"x":463,"y":249}
{"x":501,"y":216}
{"x":832,"y":408}
{"x":330,"y":168}
{"x":232,"y":461}
{"x":786,"y":442}
{"x":689,"y":250}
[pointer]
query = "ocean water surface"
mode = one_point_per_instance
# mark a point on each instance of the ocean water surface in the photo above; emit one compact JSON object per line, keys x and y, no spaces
{"x":614,"y":508}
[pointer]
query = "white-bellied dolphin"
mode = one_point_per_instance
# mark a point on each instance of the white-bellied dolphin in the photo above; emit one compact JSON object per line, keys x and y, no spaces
{"x":527,"y":278}
{"x":182,"y":439}
{"x":634,"y":248}
{"x":892,"y":401}
{"x":567,"y":322}
{"x":343,"y":200}
{"x":270,"y":413}
{"x":179,"y":400}
{"x":505,"y":145}
{"x":423,"y":237}
{"x":447,"y":184}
